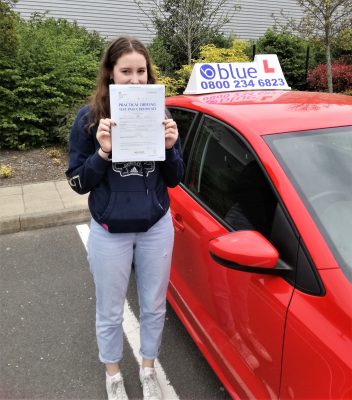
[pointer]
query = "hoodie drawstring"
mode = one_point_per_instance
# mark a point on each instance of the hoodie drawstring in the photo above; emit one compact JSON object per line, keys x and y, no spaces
{"x":145,"y":178}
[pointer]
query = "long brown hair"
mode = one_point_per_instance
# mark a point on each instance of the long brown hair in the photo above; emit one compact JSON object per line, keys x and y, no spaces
{"x":99,"y":101}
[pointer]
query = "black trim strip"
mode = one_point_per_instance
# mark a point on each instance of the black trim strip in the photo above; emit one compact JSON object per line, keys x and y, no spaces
{"x":281,"y":268}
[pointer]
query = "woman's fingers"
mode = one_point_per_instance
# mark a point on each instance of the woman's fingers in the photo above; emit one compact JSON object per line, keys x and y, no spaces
{"x":106,"y":124}
{"x":171,"y":133}
{"x":169,"y":123}
{"x":104,"y":133}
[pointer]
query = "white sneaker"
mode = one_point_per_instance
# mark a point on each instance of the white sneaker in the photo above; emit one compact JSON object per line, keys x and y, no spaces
{"x":115,"y":388}
{"x":150,"y":384}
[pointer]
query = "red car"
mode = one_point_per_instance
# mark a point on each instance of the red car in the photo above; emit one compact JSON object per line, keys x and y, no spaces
{"x":262,"y":264}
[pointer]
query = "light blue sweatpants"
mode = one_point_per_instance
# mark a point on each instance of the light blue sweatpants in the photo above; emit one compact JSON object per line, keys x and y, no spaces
{"x":110,"y":257}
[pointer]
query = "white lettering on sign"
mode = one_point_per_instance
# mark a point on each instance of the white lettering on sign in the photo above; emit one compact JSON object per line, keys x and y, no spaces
{"x":241,"y":97}
{"x":264,"y":73}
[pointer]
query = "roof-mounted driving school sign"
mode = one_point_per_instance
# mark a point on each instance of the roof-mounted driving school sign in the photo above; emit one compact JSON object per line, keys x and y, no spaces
{"x":264,"y":73}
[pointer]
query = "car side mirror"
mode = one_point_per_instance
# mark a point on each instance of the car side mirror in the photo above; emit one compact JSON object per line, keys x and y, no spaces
{"x":247,"y":251}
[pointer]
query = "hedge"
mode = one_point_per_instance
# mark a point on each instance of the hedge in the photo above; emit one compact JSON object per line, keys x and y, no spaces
{"x":341,"y":78}
{"x":51,"y":72}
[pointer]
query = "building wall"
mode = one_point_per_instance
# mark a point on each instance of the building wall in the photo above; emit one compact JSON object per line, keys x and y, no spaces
{"x":255,"y":16}
{"x":112,"y":18}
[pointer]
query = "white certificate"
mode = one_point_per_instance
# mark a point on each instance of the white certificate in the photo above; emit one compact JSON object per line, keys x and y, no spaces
{"x":139,"y":112}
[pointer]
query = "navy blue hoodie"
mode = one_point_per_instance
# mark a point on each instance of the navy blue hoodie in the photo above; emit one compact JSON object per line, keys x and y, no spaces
{"x":126,"y":196}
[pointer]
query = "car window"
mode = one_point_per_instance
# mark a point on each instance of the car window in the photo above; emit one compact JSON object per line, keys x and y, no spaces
{"x":226,"y":177}
{"x":184,"y":119}
{"x":319,"y":164}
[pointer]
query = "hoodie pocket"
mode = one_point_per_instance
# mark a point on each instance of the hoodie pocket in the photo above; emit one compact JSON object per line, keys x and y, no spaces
{"x":112,"y":201}
{"x":132,"y":211}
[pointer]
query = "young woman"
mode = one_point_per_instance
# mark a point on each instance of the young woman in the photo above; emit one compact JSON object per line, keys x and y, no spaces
{"x":131,"y":221}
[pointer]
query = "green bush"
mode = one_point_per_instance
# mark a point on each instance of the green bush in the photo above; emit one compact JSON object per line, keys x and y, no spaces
{"x":65,"y":122}
{"x":161,"y":56}
{"x":208,"y":53}
{"x":53,"y":70}
{"x":342,"y":47}
{"x":9,"y":74}
{"x":291,"y":51}
{"x":8,"y":37}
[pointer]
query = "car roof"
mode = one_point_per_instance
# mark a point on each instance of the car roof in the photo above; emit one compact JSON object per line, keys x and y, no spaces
{"x":269,"y":112}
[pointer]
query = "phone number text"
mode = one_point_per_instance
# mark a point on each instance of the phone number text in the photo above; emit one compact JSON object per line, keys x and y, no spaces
{"x":242,"y":84}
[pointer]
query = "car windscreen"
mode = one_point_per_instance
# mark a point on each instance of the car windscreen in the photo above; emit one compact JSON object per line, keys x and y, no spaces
{"x":319,"y":164}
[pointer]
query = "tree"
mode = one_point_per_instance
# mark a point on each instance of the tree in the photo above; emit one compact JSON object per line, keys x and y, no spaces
{"x":188,"y":24}
{"x":9,"y":74}
{"x":8,"y":38}
{"x":324,"y":19}
{"x":291,"y":51}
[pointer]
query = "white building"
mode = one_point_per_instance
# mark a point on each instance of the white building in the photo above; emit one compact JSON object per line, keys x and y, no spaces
{"x":112,"y":18}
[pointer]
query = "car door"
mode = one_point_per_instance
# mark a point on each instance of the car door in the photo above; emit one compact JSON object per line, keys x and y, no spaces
{"x":237,"y":318}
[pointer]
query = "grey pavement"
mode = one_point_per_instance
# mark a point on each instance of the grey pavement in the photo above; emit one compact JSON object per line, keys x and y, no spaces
{"x":40,"y":205}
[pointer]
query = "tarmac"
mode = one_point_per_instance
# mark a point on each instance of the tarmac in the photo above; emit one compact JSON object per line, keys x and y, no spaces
{"x":41,"y":205}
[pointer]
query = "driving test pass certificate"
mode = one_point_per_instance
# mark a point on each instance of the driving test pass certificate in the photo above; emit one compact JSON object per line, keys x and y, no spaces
{"x":139,"y":112}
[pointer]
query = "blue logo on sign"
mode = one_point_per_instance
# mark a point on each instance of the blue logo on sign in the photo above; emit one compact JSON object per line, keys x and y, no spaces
{"x":207,"y":71}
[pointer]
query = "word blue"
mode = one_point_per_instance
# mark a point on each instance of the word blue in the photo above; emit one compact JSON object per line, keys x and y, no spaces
{"x":209,"y":72}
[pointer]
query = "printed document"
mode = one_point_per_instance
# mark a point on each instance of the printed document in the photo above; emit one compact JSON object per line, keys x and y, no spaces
{"x":139,"y":112}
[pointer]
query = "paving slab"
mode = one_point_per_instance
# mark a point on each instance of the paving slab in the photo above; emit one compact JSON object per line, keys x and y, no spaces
{"x":11,"y":190}
{"x":40,"y":205}
{"x":41,"y":187}
{"x":11,"y":205}
{"x":70,"y":198}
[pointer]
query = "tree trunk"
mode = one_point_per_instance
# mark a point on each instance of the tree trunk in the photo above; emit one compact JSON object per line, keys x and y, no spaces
{"x":189,"y":54}
{"x":328,"y":67}
{"x":189,"y":47}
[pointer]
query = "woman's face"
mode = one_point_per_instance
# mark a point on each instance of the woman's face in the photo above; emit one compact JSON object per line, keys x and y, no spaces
{"x":130,"y":68}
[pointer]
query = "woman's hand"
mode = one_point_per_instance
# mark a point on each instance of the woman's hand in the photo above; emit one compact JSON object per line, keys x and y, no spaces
{"x":104,"y":136}
{"x":171,"y":133}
